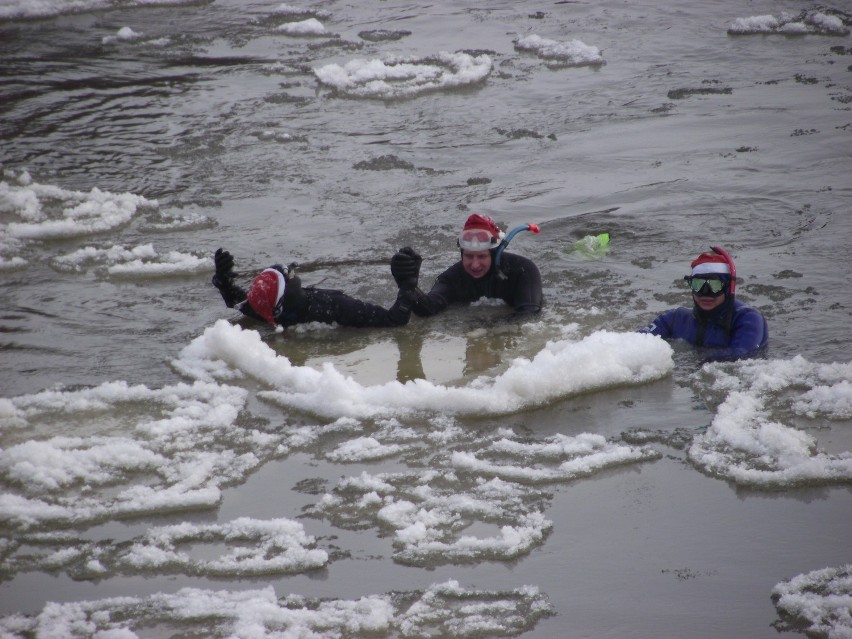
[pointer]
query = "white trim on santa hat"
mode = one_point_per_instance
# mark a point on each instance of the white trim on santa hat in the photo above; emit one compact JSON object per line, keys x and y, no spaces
{"x":708,"y":268}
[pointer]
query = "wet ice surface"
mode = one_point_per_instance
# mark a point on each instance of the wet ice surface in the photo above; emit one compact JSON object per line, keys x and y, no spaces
{"x":821,"y":600}
{"x":166,"y":441}
{"x":444,"y":609}
{"x":166,"y":471}
{"x":745,"y":443}
{"x":470,"y":495}
{"x":806,"y":22}
{"x":405,"y":77}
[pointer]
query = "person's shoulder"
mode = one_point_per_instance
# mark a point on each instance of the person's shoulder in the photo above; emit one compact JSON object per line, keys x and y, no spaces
{"x":453,"y":272}
{"x":748,"y":318}
{"x":677,"y":311}
{"x":676,"y":319}
{"x":670,"y":323}
{"x":512,"y":263}
{"x":742,"y":308}
{"x":515,"y":258}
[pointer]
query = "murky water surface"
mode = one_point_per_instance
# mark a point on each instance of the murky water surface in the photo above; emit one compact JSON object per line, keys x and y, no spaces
{"x":166,"y":473}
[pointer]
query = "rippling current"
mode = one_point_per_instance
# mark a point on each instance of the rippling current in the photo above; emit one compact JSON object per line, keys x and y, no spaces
{"x":169,"y":469}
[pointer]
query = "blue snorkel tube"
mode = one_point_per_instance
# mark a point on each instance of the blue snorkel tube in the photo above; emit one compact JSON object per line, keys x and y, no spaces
{"x":498,"y":253}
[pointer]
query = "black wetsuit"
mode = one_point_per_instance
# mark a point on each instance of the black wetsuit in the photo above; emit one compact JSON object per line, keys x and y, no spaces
{"x":519,"y":286}
{"x":310,"y":304}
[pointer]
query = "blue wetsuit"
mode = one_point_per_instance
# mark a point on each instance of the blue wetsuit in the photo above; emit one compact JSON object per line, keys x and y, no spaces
{"x":735,"y":329}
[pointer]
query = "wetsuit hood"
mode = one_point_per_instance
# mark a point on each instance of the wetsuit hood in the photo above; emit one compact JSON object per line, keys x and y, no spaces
{"x":720,"y":315}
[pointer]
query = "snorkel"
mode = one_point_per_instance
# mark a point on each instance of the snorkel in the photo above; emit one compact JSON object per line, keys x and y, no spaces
{"x":498,"y":252}
{"x":720,"y":251}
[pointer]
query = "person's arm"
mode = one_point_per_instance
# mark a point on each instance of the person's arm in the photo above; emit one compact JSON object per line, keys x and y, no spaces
{"x":223,"y":279}
{"x":526,"y":296}
{"x":405,"y":268}
{"x":435,"y":301}
{"x":662,"y":326}
{"x":336,"y":307}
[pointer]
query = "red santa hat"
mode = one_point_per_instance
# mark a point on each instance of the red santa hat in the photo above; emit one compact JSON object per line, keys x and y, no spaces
{"x":480,"y":233}
{"x":485,"y":222}
{"x":266,"y":291}
{"x":710,"y":264}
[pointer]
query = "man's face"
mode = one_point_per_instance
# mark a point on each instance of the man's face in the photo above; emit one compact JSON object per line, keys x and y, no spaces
{"x":476,"y":263}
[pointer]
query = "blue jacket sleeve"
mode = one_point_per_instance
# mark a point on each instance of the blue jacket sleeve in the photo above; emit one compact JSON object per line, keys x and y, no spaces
{"x":663,"y":325}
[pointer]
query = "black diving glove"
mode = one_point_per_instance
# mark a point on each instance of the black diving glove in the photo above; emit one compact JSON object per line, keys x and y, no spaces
{"x":223,"y":278}
{"x":400,"y":312}
{"x":224,"y":262}
{"x":405,"y":268}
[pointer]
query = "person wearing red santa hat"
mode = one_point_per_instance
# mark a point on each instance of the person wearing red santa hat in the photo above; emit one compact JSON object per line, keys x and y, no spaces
{"x":484,"y":270}
{"x":717,"y":320}
{"x":276,"y":296}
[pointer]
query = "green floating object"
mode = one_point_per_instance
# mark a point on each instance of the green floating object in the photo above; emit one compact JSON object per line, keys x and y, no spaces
{"x":592,"y":245}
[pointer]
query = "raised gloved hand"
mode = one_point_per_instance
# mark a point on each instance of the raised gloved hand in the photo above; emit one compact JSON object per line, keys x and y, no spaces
{"x":224,"y":265}
{"x":405,"y":268}
{"x":223,"y":278}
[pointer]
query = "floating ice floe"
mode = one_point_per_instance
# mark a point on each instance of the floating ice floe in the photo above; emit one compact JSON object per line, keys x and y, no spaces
{"x":11,"y":9}
{"x":404,"y":77}
{"x":561,"y":369}
{"x":265,"y":546}
{"x":8,"y":247}
{"x":807,"y":22}
{"x":443,"y":609}
{"x":139,"y":451}
{"x":124,"y":34}
{"x":251,"y":547}
{"x":33,"y":212}
{"x":50,"y":212}
{"x":309,"y":27}
{"x":429,"y":511}
{"x":820,"y":600}
{"x":364,"y":449}
{"x":290,"y":10}
{"x":389,"y":440}
{"x":139,"y":260}
{"x":558,"y":458}
{"x":570,"y":53}
{"x":746,"y":441}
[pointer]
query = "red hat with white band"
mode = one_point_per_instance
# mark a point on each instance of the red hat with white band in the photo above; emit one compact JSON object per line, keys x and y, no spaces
{"x":719,"y":262}
{"x":267,"y":290}
{"x":480,"y":233}
{"x":710,"y":264}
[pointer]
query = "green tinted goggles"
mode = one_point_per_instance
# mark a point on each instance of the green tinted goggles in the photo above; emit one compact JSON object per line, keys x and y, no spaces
{"x":706,"y":285}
